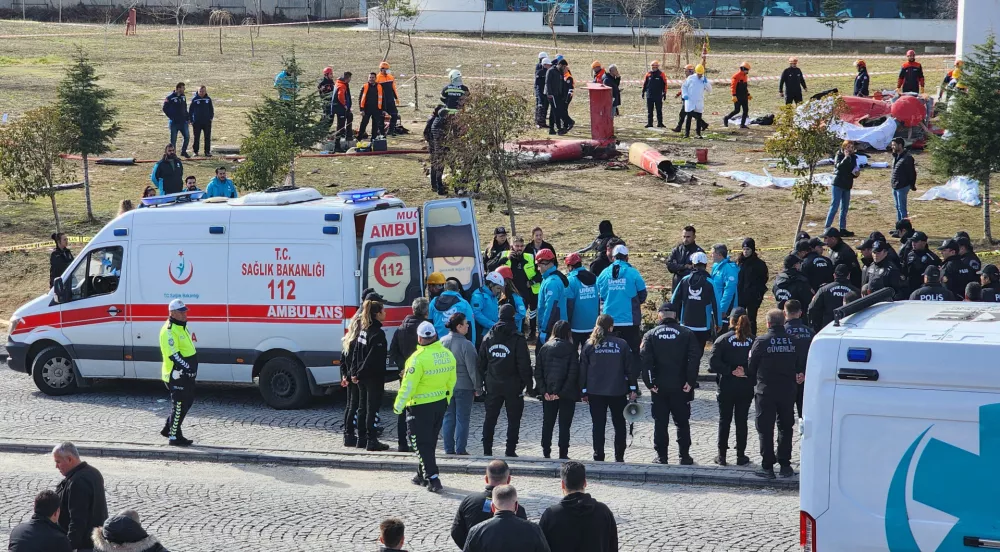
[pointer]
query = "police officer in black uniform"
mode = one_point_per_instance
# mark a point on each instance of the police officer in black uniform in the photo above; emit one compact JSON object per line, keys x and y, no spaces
{"x":777,"y":366}
{"x":917,"y":259}
{"x":867,"y":260}
{"x":804,"y":334}
{"x":990,"y":278}
{"x":830,"y":297}
{"x":885,"y":273}
{"x":966,"y":252}
{"x":841,"y":253}
{"x":791,"y":283}
{"x":728,"y":362}
{"x":932,"y":289}
{"x":815,"y":267}
{"x":670,"y":356}
{"x":956,"y":272}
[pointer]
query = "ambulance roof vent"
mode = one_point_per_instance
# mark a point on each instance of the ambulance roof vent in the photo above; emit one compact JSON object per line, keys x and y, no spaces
{"x":364,"y":194}
{"x":285,"y":195}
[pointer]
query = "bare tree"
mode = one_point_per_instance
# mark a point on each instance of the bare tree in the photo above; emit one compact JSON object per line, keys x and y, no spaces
{"x":250,"y":23}
{"x":390,"y":14}
{"x":552,"y":23}
{"x":222,"y":18}
{"x":177,"y":11}
{"x":634,"y":10}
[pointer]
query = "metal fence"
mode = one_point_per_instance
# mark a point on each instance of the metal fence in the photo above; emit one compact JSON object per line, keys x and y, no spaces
{"x":735,"y":22}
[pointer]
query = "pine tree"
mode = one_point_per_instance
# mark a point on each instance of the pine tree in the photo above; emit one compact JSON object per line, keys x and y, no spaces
{"x":299,"y":115}
{"x":973,"y":122}
{"x":86,"y":110}
{"x":831,"y":16}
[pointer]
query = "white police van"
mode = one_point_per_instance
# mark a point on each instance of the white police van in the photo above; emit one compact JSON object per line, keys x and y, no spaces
{"x":900,"y":440}
{"x":270,"y":279}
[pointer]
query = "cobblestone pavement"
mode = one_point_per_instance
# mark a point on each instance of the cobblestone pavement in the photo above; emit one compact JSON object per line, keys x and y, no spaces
{"x":133,"y":412}
{"x":212,"y":507}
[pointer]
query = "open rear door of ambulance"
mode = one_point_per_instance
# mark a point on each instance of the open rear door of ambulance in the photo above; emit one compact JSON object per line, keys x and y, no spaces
{"x":451,"y":241}
{"x":390,"y":261}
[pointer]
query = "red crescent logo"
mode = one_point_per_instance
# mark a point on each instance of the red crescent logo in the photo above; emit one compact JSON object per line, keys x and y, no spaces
{"x":175,"y":280}
{"x":456,"y":262}
{"x":378,"y":270}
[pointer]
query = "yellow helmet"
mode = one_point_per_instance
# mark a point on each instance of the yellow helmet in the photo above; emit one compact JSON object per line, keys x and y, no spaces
{"x":436,"y":278}
{"x":699,"y":69}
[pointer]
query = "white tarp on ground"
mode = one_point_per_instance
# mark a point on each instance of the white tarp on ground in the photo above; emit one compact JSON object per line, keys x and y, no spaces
{"x":958,"y":188}
{"x":877,"y":137}
{"x":767,"y":181}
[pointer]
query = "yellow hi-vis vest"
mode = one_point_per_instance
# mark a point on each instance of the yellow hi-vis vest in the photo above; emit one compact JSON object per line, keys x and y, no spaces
{"x":429,"y":376}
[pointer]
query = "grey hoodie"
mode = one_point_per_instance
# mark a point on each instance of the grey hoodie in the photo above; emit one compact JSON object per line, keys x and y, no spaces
{"x":466,"y":359}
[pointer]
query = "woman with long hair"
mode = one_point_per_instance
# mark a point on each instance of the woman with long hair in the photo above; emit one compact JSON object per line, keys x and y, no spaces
{"x":346,"y":360}
{"x":510,"y":296}
{"x":455,"y":428}
{"x":728,"y":361}
{"x":370,"y":349}
{"x":60,"y":258}
{"x":557,"y":375}
{"x":607,"y":375}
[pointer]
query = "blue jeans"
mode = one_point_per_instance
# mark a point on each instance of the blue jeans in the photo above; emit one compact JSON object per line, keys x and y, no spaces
{"x":456,"y":421}
{"x":840,"y":198}
{"x":183,"y":129}
{"x":900,"y":197}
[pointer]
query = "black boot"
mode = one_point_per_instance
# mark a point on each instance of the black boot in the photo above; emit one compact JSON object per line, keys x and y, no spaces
{"x":547,"y":452}
{"x":721,"y":458}
{"x":350,"y":441}
{"x":564,"y":453}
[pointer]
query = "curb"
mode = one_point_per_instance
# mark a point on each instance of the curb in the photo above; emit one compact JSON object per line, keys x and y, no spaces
{"x":473,"y":465}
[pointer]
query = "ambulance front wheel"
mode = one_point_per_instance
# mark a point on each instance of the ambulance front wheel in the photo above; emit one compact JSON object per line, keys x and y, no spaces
{"x":53,"y":372}
{"x":283,"y":384}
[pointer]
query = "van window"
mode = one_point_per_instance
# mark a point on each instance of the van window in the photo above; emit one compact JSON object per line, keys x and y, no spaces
{"x":393,"y":271}
{"x":97,"y":274}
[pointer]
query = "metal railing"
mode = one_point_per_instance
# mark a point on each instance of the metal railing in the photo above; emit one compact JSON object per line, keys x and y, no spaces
{"x":735,"y":22}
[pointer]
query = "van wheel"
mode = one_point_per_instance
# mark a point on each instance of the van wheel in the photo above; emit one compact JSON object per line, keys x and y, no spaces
{"x":283,"y":384}
{"x":53,"y":373}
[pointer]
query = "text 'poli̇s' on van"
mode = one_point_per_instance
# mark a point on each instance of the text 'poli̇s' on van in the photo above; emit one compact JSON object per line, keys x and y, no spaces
{"x":901,"y":430}
{"x":270,"y":280}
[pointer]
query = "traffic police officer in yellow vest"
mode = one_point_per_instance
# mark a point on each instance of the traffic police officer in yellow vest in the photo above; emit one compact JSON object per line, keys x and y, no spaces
{"x":428,"y":384}
{"x":180,"y":370}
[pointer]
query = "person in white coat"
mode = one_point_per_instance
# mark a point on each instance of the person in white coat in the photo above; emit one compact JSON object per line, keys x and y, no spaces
{"x":693,"y":92}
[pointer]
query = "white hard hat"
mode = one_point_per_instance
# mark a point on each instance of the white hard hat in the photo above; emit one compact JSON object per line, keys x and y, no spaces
{"x":698,"y":258}
{"x":546,"y":61}
{"x":619,"y":249}
{"x":426,"y":330}
{"x":177,"y":305}
{"x":495,"y":278}
{"x":542,"y":55}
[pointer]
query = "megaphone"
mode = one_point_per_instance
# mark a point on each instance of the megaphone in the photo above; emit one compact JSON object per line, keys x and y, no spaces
{"x":633,"y":411}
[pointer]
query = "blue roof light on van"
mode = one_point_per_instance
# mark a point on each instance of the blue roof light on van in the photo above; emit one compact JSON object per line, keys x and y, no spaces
{"x":121,"y":232}
{"x":859,"y":354}
{"x":332,"y":217}
{"x":364,"y":194}
{"x":331,"y":230}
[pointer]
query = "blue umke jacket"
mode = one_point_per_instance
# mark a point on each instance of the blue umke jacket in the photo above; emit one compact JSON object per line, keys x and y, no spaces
{"x":695,"y":299}
{"x":725,"y":277}
{"x":551,"y":302}
{"x":622,"y":291}
{"x":582,"y":301}
{"x":447,"y":304}
{"x":520,"y":311}
{"x":486,"y":309}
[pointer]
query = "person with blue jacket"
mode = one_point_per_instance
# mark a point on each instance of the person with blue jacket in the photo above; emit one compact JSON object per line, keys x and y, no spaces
{"x":448,"y":303}
{"x":176,"y":110}
{"x":725,"y":280}
{"x":582,"y":302}
{"x":221,"y":186}
{"x":694,"y":297}
{"x":486,"y":304}
{"x":287,"y":84}
{"x":623,"y":291}
{"x":510,"y":296}
{"x":168,"y":172}
{"x":551,"y":295}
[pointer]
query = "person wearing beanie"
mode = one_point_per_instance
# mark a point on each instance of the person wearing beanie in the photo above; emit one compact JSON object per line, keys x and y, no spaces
{"x":790,"y":283}
{"x":792,"y":82}
{"x":830,"y":297}
{"x":932,"y":290}
{"x":124,"y":533}
{"x":654,"y":91}
{"x":505,"y":367}
{"x":752,"y":283}
{"x":605,"y":233}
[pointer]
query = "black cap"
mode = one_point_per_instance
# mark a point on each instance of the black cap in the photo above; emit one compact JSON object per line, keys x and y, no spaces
{"x":507,"y":312}
{"x":803,"y":235}
{"x":965,"y":242}
{"x":666,"y":307}
{"x":932,"y":273}
{"x":737,"y":312}
{"x":791,"y":261}
{"x":918,"y":236}
{"x":842,"y":270}
{"x":802,"y":245}
{"x":904,"y":224}
{"x":816,"y":242}
{"x":831,"y":233}
{"x":499,"y":230}
{"x":748,"y":242}
{"x":876,"y":236}
{"x":949,"y":244}
{"x":867,"y":244}
{"x":880,"y":246}
{"x":990,"y":270}
{"x":962,"y":234}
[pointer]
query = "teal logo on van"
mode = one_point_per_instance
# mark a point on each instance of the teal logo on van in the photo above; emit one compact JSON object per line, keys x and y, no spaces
{"x":953,"y":481}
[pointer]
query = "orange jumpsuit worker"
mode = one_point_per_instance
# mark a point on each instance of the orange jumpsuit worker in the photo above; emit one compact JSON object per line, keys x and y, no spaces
{"x":741,"y":95}
{"x":911,"y":75}
{"x":598,"y":72}
{"x":388,"y":96}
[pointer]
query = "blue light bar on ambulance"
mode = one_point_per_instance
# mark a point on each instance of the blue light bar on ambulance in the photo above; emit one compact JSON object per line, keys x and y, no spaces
{"x":365,"y":194}
{"x":121,"y":232}
{"x":857,"y":354}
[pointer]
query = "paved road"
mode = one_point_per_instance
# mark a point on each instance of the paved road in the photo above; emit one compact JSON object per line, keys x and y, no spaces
{"x":133,"y":412}
{"x":211,"y":507}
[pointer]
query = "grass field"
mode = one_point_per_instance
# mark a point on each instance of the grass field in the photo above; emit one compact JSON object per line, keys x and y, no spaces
{"x":568,"y":201}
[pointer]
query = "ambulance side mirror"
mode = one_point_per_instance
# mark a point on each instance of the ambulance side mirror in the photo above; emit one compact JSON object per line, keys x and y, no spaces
{"x":59,"y":290}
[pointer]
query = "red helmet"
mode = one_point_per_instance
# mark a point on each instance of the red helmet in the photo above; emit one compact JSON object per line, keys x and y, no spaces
{"x":545,"y":255}
{"x":911,"y":53}
{"x":573,"y":259}
{"x":506,"y":272}
{"x":328,"y":71}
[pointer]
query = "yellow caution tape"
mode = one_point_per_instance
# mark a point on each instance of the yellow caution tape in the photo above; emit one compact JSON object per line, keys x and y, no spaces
{"x":42,"y":244}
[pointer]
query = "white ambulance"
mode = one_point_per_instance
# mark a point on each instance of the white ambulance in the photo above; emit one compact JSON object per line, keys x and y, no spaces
{"x":901,"y":433}
{"x":270,"y":279}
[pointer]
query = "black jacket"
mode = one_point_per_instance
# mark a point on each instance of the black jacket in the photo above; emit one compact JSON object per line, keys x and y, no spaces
{"x":828,"y":298}
{"x":818,"y":270}
{"x":124,"y":535}
{"x":861,"y":83}
{"x":614,"y":83}
{"x":670,"y":357}
{"x":474,"y":510}
{"x":370,"y":352}
{"x":654,"y":86}
{"x":368,"y":98}
{"x":493,"y":257}
{"x":680,"y":256}
{"x":202,"y":110}
{"x":791,"y":284}
{"x":517,"y":263}
{"x":916,"y":263}
{"x":991,"y":294}
{"x":529,"y":249}
{"x":38,"y":535}
{"x":972,"y":261}
{"x":404,"y":341}
{"x":557,"y":369}
{"x":906,"y":245}
{"x":904,"y":171}
{"x":729,"y":353}
{"x":506,"y":532}
{"x":59,"y":261}
{"x":843,"y":254}
{"x":325,"y":88}
{"x":504,"y":363}
{"x":608,"y":368}
{"x":752,"y":283}
{"x":843,"y":170}
{"x":933,"y":292}
{"x":888,"y":274}
{"x":695,"y":301}
{"x":540,"y":71}
{"x":957,"y":275}
{"x":83,"y":505}
{"x":175,"y":108}
{"x":798,"y":329}
{"x":792,"y":81}
{"x":555,"y":85}
{"x":171,"y":171}
{"x":578,"y":523}
{"x":774,"y":362}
